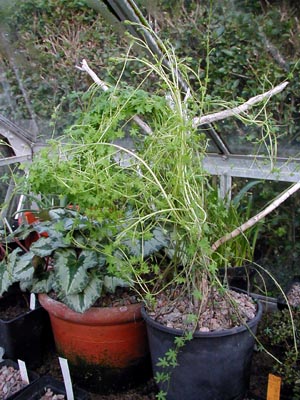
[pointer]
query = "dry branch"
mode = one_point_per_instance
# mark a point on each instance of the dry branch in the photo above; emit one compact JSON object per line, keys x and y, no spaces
{"x":197,"y":121}
{"x":208,"y":119}
{"x":274,"y":51}
{"x":252,"y":221}
{"x":85,"y":67}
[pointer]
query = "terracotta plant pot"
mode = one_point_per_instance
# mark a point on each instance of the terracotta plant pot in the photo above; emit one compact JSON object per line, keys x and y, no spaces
{"x":106,"y":348}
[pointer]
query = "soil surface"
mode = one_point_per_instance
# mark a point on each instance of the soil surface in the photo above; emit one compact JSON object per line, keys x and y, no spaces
{"x":13,"y":306}
{"x":219,"y":311}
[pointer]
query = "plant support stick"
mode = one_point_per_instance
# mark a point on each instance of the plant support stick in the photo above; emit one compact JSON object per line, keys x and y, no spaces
{"x":252,"y":221}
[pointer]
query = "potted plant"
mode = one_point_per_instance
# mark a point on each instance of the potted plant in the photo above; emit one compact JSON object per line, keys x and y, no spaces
{"x":238,"y":259}
{"x":154,"y":189}
{"x":18,"y":314}
{"x":96,"y":326}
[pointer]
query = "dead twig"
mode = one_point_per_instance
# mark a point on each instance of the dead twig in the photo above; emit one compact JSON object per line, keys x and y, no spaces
{"x":232,"y":112}
{"x":85,"y":67}
{"x":252,"y":221}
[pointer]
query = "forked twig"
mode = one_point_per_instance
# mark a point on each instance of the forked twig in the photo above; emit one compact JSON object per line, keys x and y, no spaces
{"x":85,"y":67}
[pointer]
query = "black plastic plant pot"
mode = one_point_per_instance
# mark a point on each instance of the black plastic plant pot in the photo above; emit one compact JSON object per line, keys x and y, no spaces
{"x":27,"y":336}
{"x":281,"y":302}
{"x":32,"y":376}
{"x":38,"y":389}
{"x":239,"y":277}
{"x":212,"y":366}
{"x":253,"y":397}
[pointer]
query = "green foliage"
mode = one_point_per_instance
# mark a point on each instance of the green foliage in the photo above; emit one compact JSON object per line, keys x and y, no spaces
{"x":225,"y":40}
{"x":239,"y":250}
{"x":277,"y":244}
{"x":88,"y":171}
{"x":168,"y":363}
{"x":70,"y":257}
{"x":63,"y":259}
{"x":238,"y":44}
{"x":149,"y":190}
{"x":50,"y":37}
{"x":277,"y":335}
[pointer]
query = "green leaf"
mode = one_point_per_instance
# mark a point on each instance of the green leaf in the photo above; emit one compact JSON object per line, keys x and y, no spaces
{"x":23,"y":269}
{"x":22,"y":232}
{"x":228,"y":52}
{"x":146,"y":247}
{"x":17,"y":267}
{"x":171,"y":356}
{"x":162,"y":362}
{"x":161,"y":395}
{"x":83,"y":301}
{"x":46,"y":245}
{"x":220,"y":30}
{"x":161,"y":377}
{"x":179,"y":341}
{"x":6,"y":278}
{"x":111,"y":283}
{"x":237,"y":199}
{"x":42,"y":284}
{"x":71,"y":270}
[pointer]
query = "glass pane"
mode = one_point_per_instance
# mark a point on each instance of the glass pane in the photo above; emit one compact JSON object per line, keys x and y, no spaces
{"x":238,"y":48}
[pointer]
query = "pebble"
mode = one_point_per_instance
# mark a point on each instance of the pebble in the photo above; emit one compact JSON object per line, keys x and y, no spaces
{"x":220,"y":312}
{"x":50,"y":395}
{"x":10,"y":381}
{"x":204,"y":329}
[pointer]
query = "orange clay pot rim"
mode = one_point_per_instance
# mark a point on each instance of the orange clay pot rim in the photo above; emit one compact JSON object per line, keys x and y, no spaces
{"x":93,"y":316}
